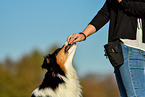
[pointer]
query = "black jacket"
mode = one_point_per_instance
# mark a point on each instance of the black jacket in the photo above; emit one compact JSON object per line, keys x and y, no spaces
{"x":123,"y":18}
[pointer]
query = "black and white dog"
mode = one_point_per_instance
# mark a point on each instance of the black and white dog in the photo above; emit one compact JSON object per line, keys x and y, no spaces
{"x":61,"y":79}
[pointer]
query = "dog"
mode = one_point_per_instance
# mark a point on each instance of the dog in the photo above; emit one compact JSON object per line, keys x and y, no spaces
{"x":61,"y":79}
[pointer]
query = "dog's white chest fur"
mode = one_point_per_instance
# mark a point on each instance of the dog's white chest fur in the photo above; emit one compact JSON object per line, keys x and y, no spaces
{"x":71,"y":87}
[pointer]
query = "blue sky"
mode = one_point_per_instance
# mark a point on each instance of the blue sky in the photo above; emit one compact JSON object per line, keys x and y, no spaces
{"x":26,"y":25}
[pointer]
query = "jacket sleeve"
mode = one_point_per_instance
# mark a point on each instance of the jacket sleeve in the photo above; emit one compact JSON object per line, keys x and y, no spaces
{"x":135,"y":8}
{"x":101,"y":18}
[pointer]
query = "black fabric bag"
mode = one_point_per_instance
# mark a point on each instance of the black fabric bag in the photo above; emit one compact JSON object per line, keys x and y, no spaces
{"x":114,"y":52}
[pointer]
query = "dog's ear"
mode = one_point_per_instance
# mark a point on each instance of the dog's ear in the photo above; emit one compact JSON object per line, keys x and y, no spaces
{"x":46,"y":62}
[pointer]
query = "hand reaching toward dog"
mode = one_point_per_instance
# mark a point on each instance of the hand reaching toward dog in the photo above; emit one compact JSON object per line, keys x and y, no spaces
{"x":76,"y":37}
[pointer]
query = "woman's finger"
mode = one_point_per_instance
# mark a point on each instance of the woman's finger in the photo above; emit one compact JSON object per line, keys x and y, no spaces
{"x":69,"y":37}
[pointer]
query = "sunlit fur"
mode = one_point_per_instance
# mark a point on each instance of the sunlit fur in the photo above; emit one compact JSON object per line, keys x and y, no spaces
{"x":69,"y":86}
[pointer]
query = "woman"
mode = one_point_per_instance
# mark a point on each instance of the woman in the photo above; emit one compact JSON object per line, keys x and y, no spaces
{"x":127,"y":23}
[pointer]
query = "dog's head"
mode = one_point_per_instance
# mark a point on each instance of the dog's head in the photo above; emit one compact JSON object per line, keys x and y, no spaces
{"x":56,"y":61}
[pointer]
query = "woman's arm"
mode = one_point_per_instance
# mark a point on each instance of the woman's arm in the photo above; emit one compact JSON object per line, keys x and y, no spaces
{"x":97,"y":22}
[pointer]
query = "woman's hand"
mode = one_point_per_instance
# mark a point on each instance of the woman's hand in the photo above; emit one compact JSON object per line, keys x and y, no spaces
{"x":76,"y":37}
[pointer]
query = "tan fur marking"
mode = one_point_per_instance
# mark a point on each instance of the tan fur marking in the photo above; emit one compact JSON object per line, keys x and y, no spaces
{"x":48,"y":61}
{"x":61,"y":58}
